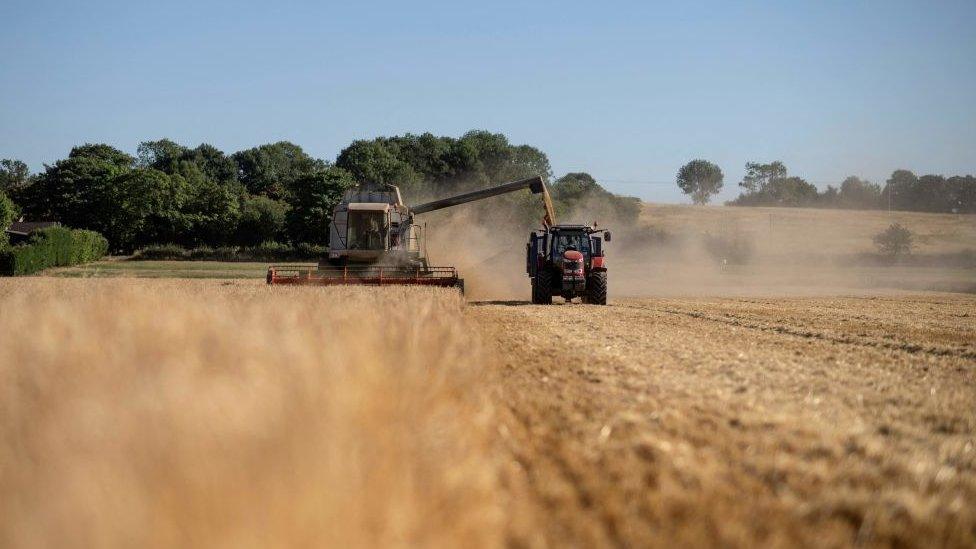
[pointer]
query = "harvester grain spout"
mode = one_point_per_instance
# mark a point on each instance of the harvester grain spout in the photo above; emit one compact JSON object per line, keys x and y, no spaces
{"x":534,"y":184}
{"x":373,"y":239}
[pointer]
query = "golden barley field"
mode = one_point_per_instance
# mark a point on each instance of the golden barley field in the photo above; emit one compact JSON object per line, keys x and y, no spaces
{"x":203,"y":413}
{"x":176,"y":413}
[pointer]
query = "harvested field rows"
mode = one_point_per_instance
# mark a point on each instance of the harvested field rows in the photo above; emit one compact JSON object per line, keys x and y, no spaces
{"x":206,"y":413}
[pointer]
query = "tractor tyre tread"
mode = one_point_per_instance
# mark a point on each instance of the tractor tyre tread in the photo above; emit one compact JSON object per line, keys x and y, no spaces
{"x":596,"y":288}
{"x":542,"y":288}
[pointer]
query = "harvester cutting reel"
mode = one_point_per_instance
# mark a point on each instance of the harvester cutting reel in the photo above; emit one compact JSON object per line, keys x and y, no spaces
{"x":365,"y":275}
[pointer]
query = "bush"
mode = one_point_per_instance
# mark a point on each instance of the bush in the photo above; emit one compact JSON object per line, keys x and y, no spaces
{"x":894,"y":241}
{"x":53,"y":247}
{"x":161,"y":252}
{"x":202,"y":253}
{"x":267,"y":251}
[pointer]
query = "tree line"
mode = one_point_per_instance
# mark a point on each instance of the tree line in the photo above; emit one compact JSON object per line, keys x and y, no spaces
{"x":168,"y":193}
{"x":771,"y":185}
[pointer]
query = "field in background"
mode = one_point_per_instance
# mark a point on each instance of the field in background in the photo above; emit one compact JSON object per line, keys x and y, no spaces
{"x":798,"y":231}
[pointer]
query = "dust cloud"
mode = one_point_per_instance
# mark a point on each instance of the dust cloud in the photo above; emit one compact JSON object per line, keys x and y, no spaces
{"x":677,"y":250}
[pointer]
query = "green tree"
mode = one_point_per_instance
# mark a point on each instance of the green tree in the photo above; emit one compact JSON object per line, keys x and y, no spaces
{"x":700,"y":179}
{"x":13,"y":173}
{"x":271,"y":169}
{"x":961,"y":191}
{"x":857,"y":193}
{"x":102,"y":152}
{"x":97,"y":188}
{"x":212,"y":213}
{"x":315,"y":195}
{"x":900,"y":190}
{"x":493,"y":151}
{"x":8,"y":212}
{"x":894,"y":241}
{"x":262,"y":220}
{"x":134,"y":208}
{"x":162,"y":154}
{"x":791,"y":191}
{"x":578,"y":197}
{"x":374,"y":162}
{"x":758,"y":176}
{"x":67,"y":190}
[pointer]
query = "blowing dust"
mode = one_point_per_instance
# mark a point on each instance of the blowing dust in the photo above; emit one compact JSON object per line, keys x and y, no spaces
{"x":718,"y":250}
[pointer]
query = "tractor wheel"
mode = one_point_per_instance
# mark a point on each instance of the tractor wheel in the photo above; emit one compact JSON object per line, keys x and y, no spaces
{"x":542,"y":288}
{"x":460,"y":286}
{"x":596,"y":288}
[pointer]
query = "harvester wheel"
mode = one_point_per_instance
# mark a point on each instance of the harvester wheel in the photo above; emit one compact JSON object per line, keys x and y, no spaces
{"x":596,"y":288}
{"x":542,"y":288}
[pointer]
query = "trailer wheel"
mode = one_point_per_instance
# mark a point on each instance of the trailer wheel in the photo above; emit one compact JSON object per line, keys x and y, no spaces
{"x":542,"y":287}
{"x":596,"y":288}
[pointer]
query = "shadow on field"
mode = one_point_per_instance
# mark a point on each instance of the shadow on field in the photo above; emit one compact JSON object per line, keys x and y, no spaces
{"x":506,"y":303}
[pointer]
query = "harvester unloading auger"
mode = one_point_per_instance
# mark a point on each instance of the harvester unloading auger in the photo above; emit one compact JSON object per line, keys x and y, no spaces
{"x":373,"y":239}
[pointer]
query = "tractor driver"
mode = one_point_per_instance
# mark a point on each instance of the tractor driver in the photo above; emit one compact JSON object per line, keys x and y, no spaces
{"x":577,"y":242}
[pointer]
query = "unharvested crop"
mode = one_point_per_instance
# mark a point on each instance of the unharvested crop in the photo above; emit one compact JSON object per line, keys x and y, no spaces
{"x":171,"y":414}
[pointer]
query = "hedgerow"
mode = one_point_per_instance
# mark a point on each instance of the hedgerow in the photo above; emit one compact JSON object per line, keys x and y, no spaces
{"x":52,"y":247}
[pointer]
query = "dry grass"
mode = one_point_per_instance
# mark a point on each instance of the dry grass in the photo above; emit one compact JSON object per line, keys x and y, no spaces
{"x":204,"y":414}
{"x":805,"y":231}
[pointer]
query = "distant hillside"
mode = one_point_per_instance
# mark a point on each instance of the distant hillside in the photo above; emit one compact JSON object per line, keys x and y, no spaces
{"x":776,"y":231}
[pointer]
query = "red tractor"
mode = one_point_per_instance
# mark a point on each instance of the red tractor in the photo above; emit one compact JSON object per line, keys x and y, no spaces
{"x":567,"y":261}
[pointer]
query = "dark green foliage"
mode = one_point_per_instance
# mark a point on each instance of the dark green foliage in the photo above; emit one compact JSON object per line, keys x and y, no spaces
{"x":212,"y":212}
{"x":267,"y":251}
{"x":579,"y":198}
{"x":13,"y":173}
{"x":161,"y":252}
{"x":768,"y":185}
{"x":376,"y":162}
{"x":262,"y":220}
{"x":856,"y":193}
{"x":197,"y":197}
{"x":758,"y":176}
{"x":929,"y":193}
{"x":426,"y":166}
{"x":700,"y":179}
{"x":8,"y":212}
{"x":271,"y":170}
{"x":894,"y":241}
{"x":312,"y":199}
{"x":68,"y":190}
{"x":52,"y":247}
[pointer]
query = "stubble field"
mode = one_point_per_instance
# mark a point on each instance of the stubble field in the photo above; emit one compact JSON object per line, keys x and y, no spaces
{"x":209,"y":413}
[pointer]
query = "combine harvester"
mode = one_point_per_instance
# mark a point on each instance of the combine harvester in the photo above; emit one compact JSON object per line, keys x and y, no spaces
{"x":373,"y":240}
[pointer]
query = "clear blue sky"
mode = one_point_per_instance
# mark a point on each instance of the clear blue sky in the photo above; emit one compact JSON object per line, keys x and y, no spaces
{"x":626,"y":91}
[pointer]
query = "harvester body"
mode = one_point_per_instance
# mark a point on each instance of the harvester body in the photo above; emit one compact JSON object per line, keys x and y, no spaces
{"x":567,"y":261}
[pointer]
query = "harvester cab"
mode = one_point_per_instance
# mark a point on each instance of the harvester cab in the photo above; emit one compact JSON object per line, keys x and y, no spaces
{"x":373,"y":239}
{"x":567,"y":261}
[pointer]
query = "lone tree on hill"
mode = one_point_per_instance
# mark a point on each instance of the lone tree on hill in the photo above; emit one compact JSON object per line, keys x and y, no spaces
{"x":700,"y":179}
{"x":894,"y":241}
